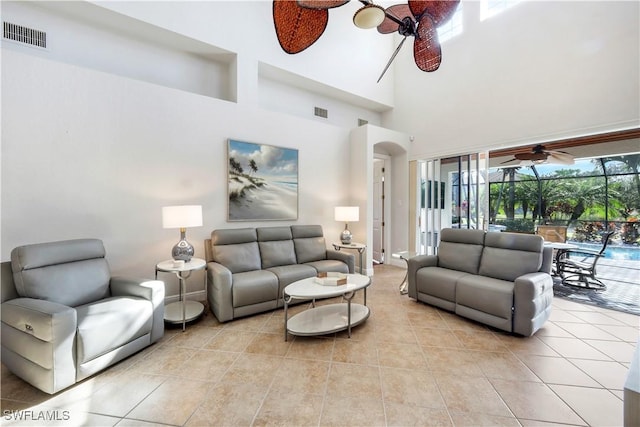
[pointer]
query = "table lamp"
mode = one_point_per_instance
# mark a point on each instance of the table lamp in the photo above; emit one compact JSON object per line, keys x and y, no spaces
{"x":182,"y":217}
{"x":346,"y":214}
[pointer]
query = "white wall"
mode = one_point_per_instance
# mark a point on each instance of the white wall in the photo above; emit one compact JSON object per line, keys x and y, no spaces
{"x":539,"y":71}
{"x":365,"y":142}
{"x":92,"y":37}
{"x":344,"y":57}
{"x":90,"y":154}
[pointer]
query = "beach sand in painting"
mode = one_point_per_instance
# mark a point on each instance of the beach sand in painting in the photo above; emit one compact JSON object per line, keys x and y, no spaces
{"x":271,"y":200}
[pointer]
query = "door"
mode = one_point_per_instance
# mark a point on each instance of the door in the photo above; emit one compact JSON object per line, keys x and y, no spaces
{"x":378,"y":211}
{"x":452,"y":193}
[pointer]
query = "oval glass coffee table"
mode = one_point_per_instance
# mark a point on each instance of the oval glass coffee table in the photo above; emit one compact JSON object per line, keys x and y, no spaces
{"x":329,"y":318}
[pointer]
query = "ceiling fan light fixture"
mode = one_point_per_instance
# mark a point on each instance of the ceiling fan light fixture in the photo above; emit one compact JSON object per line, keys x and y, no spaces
{"x":369,"y":16}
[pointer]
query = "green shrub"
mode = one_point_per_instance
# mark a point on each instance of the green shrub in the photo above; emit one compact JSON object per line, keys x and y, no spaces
{"x":518,"y":225}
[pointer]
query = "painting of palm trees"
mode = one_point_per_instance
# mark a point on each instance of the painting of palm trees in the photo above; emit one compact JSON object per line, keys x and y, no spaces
{"x":262,"y":182}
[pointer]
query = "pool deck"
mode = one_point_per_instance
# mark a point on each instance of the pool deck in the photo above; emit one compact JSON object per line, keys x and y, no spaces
{"x":622,"y":278}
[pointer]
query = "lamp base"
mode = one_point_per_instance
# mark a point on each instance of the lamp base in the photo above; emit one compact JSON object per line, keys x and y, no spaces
{"x":345,"y":237}
{"x":183,"y":250}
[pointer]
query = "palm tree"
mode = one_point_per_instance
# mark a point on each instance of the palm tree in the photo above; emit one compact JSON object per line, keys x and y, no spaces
{"x":235,"y":166}
{"x":253,"y":166}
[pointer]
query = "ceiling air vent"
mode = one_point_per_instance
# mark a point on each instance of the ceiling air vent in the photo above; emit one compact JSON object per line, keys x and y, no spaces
{"x":24,"y":35}
{"x":362,"y":122}
{"x":321,"y":112}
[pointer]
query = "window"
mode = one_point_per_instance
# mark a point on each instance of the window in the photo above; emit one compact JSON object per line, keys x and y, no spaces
{"x":452,"y":27}
{"x":588,"y":197}
{"x":489,"y":8}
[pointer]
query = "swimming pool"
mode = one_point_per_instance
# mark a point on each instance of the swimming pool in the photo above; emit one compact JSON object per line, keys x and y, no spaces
{"x":631,"y":253}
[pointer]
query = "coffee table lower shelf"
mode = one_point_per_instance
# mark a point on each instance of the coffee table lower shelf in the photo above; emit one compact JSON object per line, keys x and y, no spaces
{"x":326,"y":319}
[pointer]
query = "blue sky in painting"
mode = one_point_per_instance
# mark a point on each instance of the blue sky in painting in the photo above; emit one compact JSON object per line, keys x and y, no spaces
{"x":276,"y":163}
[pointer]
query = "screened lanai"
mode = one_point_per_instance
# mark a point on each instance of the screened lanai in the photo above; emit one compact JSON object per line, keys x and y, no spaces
{"x":584,"y":201}
{"x":495,"y":191}
{"x":589,"y":197}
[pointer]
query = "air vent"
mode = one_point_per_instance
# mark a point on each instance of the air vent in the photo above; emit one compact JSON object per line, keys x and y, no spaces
{"x":362,"y":122}
{"x":321,"y":112}
{"x":24,"y":35}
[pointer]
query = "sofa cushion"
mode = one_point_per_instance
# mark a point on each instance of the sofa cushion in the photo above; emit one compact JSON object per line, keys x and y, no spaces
{"x":254,"y":287}
{"x":277,"y":253}
{"x":110,"y":323}
{"x":485,"y":294}
{"x":310,"y":249}
{"x":266,"y":234}
{"x":327,"y":265}
{"x":507,"y":256}
{"x":72,"y":272}
{"x":438,"y":282}
{"x":306,"y":231}
{"x":460,"y":249}
{"x":238,"y":258}
{"x":237,"y":249}
{"x":309,"y":243}
{"x":276,"y":246}
{"x":233,"y":236}
{"x":288,"y":274}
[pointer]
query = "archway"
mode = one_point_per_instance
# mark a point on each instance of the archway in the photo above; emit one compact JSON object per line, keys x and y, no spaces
{"x":367,"y":142}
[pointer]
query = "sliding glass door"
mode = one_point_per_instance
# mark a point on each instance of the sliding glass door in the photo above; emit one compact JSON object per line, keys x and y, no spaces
{"x":448,"y":192}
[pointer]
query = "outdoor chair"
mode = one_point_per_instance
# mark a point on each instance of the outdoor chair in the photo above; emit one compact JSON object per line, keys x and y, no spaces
{"x":577,"y":267}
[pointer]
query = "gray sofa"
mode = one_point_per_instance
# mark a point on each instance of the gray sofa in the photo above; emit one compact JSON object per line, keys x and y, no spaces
{"x":65,"y":318}
{"x":500,"y":279}
{"x":248,"y":268}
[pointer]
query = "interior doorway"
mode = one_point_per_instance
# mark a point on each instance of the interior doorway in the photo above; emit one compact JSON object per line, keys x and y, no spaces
{"x":379,"y":168}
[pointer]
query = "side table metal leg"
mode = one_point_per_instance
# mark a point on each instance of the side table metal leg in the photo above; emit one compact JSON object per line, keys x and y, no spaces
{"x":286,"y":316}
{"x":349,"y":316}
{"x":405,"y":282}
{"x":182,"y":297}
{"x":349,"y":298}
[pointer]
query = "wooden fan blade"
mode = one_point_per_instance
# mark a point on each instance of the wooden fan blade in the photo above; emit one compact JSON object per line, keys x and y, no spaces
{"x":508,"y":161}
{"x":534,"y":157}
{"x":440,"y":11}
{"x":321,"y":4}
{"x":297,"y":27}
{"x":398,"y":11}
{"x":395,"y":52}
{"x":561,"y":158}
{"x":426,"y":47}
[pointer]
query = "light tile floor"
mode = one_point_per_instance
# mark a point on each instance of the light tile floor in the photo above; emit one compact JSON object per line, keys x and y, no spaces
{"x":408,"y":364}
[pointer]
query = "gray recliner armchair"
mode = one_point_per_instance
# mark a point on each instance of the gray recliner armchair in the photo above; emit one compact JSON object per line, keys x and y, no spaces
{"x":65,"y":318}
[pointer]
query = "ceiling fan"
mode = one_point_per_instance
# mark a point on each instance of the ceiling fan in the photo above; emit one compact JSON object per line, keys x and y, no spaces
{"x":539,"y":154}
{"x":300,"y":23}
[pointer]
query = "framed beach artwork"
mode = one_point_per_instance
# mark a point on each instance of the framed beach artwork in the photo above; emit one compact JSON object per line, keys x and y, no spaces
{"x":262,"y":182}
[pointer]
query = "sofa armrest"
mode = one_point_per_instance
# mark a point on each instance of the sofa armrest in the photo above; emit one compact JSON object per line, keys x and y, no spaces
{"x":219,"y":287}
{"x":532,"y":299}
{"x":349,"y":259}
{"x":38,"y":342}
{"x":413,"y":265}
{"x":151,"y":290}
{"x":42,"y":319}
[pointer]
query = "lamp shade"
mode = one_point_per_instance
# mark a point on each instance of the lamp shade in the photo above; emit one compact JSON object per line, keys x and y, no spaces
{"x":347,"y":213}
{"x":182,"y":216}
